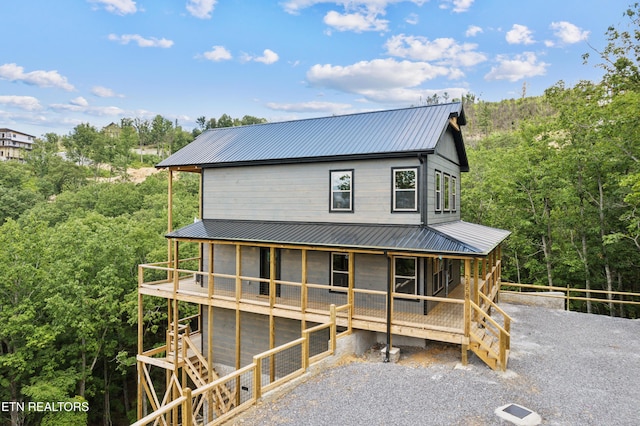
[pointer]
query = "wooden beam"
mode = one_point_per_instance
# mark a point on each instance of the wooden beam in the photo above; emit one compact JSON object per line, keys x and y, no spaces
{"x":169,"y":216}
{"x":303,"y":290}
{"x":453,"y":121}
{"x":140,"y":344}
{"x":272,"y":302}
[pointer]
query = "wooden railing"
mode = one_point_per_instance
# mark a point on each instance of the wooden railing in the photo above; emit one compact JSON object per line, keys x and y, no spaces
{"x":191,"y":407}
{"x":489,"y":326}
{"x":366,"y":304}
{"x":633,"y":299}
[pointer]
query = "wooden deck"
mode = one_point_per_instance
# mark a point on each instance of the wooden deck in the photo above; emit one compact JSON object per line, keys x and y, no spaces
{"x":444,"y":322}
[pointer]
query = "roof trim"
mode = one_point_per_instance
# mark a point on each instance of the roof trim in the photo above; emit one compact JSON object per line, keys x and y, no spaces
{"x":374,"y":156}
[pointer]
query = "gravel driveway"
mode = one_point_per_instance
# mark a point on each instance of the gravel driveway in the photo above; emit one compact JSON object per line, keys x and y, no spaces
{"x":570,"y":368}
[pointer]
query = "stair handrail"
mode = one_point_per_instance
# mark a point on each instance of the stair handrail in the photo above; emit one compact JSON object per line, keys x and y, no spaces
{"x":504,"y":339}
{"x":507,"y":318}
{"x":189,"y":343}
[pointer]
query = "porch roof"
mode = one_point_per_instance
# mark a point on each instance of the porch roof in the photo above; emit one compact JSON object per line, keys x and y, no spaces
{"x":457,"y":237}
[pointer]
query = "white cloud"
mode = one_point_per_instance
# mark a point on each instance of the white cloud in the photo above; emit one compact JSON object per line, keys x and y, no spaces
{"x":79,"y":101}
{"x":473,"y":31}
{"x":13,"y":72}
{"x":521,"y":66}
{"x":412,"y":19}
{"x":120,"y":7}
{"x":442,"y":50}
{"x":28,"y":103}
{"x":201,"y":8}
{"x":217,"y":53}
{"x":357,"y":22}
{"x":380,"y":80}
{"x":295,"y":6}
{"x":105,"y":92}
{"x":519,"y":34}
{"x":459,"y":6}
{"x":141,"y":41}
{"x":568,"y":33}
{"x":81,"y":105}
{"x":268,"y":57}
{"x":313,"y":106}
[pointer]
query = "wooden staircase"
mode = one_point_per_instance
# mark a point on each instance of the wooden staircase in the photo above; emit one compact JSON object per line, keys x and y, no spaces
{"x":196,"y":367}
{"x":488,"y":339}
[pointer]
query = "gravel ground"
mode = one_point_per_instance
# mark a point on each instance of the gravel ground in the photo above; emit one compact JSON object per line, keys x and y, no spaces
{"x":570,"y":368}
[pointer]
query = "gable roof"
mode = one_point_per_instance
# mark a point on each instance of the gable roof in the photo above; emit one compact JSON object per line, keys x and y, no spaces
{"x":377,"y":134}
{"x":460,"y":238}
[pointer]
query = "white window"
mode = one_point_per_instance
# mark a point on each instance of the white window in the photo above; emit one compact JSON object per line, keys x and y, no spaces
{"x":340,"y":269}
{"x":447,"y":192}
{"x":405,"y":275}
{"x":341,"y":191}
{"x":405,"y":190}
{"x":454,"y":193}
{"x":438,"y":194}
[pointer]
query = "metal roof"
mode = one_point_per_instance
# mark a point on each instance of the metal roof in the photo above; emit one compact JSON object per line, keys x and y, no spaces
{"x":378,"y":133}
{"x":454,"y":238}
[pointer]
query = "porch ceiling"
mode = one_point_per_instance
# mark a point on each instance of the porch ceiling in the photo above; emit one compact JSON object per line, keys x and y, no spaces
{"x":458,"y":237}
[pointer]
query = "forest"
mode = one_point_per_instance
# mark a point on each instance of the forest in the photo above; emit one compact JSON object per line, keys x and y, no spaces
{"x":561,"y":171}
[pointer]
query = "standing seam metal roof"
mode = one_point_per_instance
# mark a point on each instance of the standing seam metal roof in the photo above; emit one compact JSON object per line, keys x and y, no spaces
{"x":391,"y":132}
{"x":455,"y":237}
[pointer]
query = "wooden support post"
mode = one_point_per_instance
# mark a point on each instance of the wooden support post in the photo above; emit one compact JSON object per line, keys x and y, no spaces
{"x":332,"y":328}
{"x":210,"y":289}
{"x":140,"y":342}
{"x":187,"y":408}
{"x":257,"y":378}
{"x":467,"y":310}
{"x":303,"y":290}
{"x":305,"y":350}
{"x":350,"y":295}
{"x":169,"y":219}
{"x":272,"y":302}
{"x":476,"y":293}
{"x":238,"y":317}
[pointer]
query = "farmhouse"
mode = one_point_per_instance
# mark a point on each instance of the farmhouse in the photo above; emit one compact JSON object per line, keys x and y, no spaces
{"x":313,"y":229}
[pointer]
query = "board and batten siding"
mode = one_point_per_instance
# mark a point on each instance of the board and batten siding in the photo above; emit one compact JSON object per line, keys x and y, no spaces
{"x":301,"y":192}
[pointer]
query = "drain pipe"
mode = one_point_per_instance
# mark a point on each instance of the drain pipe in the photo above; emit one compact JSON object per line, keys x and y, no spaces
{"x":386,"y":355}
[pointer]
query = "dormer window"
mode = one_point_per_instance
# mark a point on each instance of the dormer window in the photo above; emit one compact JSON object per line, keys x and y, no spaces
{"x":341,"y":191}
{"x":405,"y":190}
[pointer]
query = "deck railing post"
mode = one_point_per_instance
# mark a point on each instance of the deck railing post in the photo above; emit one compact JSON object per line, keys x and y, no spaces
{"x":332,"y":311}
{"x":187,"y":408}
{"x":305,"y":350}
{"x":257,"y":378}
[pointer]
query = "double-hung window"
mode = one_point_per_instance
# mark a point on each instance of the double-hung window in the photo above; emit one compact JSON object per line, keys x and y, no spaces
{"x":438,"y":191}
{"x":405,"y":190}
{"x":341,"y":191}
{"x":447,"y":192}
{"x":340,"y":269}
{"x":454,"y":193}
{"x":405,"y":275}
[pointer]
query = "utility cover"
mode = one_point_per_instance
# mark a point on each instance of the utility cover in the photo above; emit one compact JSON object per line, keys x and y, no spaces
{"x":518,"y":415}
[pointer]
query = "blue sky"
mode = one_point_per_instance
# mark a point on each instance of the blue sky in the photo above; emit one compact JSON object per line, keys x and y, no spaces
{"x":67,"y":62}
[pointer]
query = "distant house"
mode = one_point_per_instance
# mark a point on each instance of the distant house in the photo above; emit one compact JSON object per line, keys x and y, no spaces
{"x":112,"y":130}
{"x":360,"y":211}
{"x":14,"y":145}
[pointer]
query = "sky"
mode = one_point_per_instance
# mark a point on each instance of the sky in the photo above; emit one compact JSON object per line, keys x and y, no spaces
{"x":67,"y":62}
